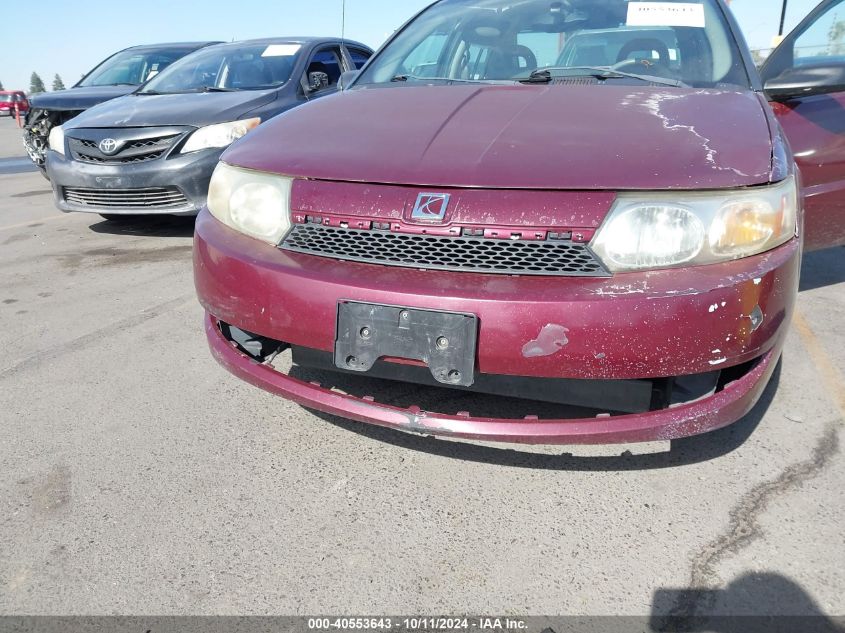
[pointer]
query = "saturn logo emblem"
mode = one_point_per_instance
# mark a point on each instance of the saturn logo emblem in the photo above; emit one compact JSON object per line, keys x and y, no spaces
{"x":431,"y":207}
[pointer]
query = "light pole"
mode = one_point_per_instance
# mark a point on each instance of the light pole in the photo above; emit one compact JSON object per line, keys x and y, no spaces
{"x":782,"y":19}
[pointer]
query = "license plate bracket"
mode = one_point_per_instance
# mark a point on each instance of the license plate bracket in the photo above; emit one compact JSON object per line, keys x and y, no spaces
{"x":445,"y":341}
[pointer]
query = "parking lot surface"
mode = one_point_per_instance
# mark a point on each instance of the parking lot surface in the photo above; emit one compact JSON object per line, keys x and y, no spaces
{"x":138,"y":477}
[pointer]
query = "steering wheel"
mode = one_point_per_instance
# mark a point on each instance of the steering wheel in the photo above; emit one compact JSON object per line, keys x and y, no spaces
{"x":659,"y":66}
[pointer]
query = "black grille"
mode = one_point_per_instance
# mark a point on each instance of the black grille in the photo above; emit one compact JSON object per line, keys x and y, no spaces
{"x":463,"y":254}
{"x":139,"y":151}
{"x":150,"y":198}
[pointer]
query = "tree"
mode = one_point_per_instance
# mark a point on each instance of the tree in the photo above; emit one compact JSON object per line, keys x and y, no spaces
{"x":58,"y":84}
{"x":837,"y":38}
{"x":1,"y":85}
{"x":36,"y":85}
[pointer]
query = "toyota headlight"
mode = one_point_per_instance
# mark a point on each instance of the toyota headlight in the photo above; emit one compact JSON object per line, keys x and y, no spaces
{"x":662,"y":230}
{"x":254,"y":203}
{"x":219,"y":135}
{"x":56,"y":140}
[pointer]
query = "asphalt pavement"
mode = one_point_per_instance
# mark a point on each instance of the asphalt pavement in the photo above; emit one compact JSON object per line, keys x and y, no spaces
{"x":138,"y":477}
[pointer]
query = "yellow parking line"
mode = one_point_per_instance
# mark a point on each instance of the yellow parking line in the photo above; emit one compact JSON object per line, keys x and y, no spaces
{"x":829,"y":373}
{"x":49,"y":218}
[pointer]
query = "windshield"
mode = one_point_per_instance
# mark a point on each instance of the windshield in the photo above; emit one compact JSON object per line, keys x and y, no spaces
{"x":228,"y":67}
{"x":132,"y":67}
{"x":458,"y":41}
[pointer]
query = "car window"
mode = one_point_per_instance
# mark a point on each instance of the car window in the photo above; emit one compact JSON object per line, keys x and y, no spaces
{"x":505,"y":40}
{"x":545,"y":46}
{"x":824,"y":39}
{"x":359,"y":57}
{"x":326,"y":61}
{"x":606,"y":47}
{"x":131,"y":67}
{"x":423,"y":60}
{"x":228,"y":67}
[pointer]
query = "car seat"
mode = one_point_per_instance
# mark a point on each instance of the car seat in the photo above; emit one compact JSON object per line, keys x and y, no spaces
{"x":249,"y":74}
{"x":510,"y":61}
{"x":645,"y":44}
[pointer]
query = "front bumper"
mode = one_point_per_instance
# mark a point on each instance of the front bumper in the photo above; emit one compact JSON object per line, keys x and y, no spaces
{"x":189,"y":173}
{"x":632,"y":326}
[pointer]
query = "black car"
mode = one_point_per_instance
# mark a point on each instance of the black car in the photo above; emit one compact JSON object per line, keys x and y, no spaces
{"x":116,"y":76}
{"x":154,"y":151}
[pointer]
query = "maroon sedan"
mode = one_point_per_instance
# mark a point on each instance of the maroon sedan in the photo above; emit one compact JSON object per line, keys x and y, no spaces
{"x":590,"y":203}
{"x":12,"y":101}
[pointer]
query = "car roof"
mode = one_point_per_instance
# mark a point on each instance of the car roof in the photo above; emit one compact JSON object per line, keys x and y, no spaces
{"x":186,"y":45}
{"x":291,"y":40}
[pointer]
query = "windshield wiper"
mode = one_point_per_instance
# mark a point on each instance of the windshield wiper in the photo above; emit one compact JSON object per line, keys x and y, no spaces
{"x":545,"y":75}
{"x":398,"y":78}
{"x":187,"y":92}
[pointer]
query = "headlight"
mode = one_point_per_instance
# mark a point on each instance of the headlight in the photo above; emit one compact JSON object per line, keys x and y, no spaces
{"x":251,"y":202}
{"x":662,"y":230}
{"x":56,"y":140}
{"x":219,"y":135}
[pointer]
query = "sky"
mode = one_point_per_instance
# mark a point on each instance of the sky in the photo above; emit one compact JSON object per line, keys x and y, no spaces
{"x":70,"y":38}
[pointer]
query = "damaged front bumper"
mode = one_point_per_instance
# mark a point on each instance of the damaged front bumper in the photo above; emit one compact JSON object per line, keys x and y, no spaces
{"x":669,"y":330}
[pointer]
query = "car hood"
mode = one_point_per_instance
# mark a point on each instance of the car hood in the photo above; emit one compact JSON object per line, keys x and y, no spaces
{"x":196,"y":109}
{"x":78,"y":98}
{"x":539,"y":137}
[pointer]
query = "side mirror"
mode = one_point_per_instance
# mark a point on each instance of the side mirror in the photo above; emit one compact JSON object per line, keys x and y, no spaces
{"x":347,"y":78}
{"x":805,"y":81}
{"x":317,"y":81}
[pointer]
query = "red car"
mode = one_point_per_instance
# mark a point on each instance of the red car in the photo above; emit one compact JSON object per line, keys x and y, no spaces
{"x":10,"y":98}
{"x":509,"y":200}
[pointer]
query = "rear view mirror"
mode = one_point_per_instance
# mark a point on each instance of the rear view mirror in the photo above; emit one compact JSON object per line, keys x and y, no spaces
{"x":347,"y":78}
{"x":317,"y":81}
{"x":803,"y":81}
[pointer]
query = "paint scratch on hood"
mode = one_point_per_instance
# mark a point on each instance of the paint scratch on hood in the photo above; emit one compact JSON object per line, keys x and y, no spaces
{"x":654,"y":104}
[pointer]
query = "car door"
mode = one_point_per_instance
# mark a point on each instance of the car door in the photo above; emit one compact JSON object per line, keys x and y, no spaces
{"x":323,"y":72}
{"x":804,"y":78}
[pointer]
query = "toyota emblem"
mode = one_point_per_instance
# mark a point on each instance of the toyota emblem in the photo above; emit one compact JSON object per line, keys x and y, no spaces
{"x":108,"y":146}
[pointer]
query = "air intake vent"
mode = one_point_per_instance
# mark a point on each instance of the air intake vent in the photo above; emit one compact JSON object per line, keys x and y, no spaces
{"x":461,"y":254}
{"x":138,"y":151}
{"x":152,"y":198}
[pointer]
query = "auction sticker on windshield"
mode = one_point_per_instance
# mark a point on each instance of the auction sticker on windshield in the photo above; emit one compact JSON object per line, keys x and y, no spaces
{"x":281,"y":50}
{"x":666,"y":14}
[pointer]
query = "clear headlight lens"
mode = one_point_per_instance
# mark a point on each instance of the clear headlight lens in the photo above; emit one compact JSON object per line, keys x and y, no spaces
{"x":653,"y":236}
{"x":56,"y":140}
{"x":219,"y":135}
{"x":662,"y":230}
{"x":252,"y":202}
